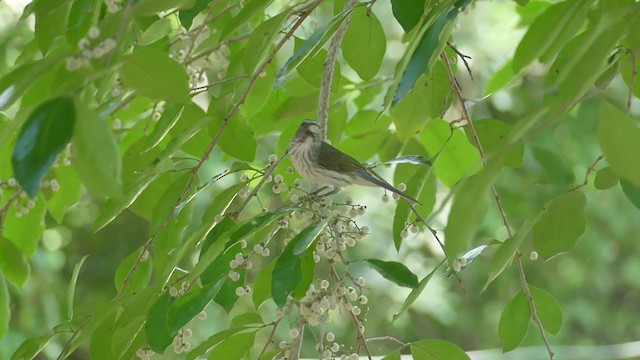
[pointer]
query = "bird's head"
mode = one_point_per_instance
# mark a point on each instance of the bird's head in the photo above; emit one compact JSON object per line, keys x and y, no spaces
{"x":308,"y":130}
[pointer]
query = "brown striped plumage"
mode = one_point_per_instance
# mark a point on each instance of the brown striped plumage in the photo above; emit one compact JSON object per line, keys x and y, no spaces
{"x":322,"y":164}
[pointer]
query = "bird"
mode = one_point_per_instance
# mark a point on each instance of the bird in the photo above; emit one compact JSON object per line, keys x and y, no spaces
{"x":319,"y":162}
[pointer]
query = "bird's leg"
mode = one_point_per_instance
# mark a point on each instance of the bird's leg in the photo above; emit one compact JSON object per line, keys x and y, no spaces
{"x":328,"y":193}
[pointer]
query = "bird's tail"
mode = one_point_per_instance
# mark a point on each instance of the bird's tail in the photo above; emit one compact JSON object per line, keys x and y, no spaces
{"x":376,"y":179}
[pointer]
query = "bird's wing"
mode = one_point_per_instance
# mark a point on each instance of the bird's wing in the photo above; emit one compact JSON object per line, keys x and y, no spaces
{"x":334,"y":159}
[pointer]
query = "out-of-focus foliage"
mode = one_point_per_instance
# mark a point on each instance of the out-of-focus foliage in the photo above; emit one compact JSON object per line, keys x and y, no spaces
{"x":145,"y":208}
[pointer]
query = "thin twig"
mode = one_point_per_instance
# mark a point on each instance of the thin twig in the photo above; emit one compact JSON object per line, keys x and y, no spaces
{"x":200,"y":89}
{"x":296,"y":346}
{"x":463,"y":57}
{"x":387,"y":338}
{"x":523,"y":279}
{"x":324,"y":98}
{"x":67,"y":345}
{"x":273,"y":331}
{"x":590,"y":169}
{"x":197,"y":33}
{"x":228,"y":42}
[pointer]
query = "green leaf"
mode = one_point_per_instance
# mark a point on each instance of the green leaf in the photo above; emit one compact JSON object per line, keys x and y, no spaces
{"x":307,"y":237}
{"x":100,"y":343}
{"x":166,"y":205}
{"x":115,"y":206}
{"x":5,"y":307}
{"x":247,"y":12}
{"x":423,"y":185}
{"x":71,"y":290}
{"x":562,"y":223}
{"x":234,"y":347}
{"x":605,"y":179}
{"x":619,"y":138}
{"x":157,"y":328}
{"x":456,"y":157}
{"x":555,"y":167}
{"x":549,"y":32}
{"x":514,"y":322}
{"x":153,"y":7}
{"x":501,"y":78}
{"x":549,"y":310}
{"x":215,"y":339}
{"x":156,"y":31}
{"x":437,"y":350}
{"x":395,"y":355}
{"x":68,"y":194}
{"x":13,"y":263}
{"x":288,"y":271}
{"x":262,"y":284}
{"x":428,"y":50}
{"x":395,"y":271}
{"x":45,"y":133}
{"x":493,"y":134}
{"x":30,"y":348}
{"x":415,"y":293}
{"x":16,"y":82}
{"x":261,"y":40}
{"x":311,"y":46}
{"x":151,"y":73}
{"x":80,"y":18}
{"x":239,"y":141}
{"x":186,"y":307}
{"x":308,"y":267}
{"x":507,"y":250}
{"x":631,"y":191}
{"x":51,"y":22}
{"x":96,"y":155}
{"x":25,"y":231}
{"x":139,"y":279}
{"x":364,"y":36}
{"x":407,"y":12}
{"x":468,"y":209}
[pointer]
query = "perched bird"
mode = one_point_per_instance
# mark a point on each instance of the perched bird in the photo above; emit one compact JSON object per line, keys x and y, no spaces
{"x":321,"y":163}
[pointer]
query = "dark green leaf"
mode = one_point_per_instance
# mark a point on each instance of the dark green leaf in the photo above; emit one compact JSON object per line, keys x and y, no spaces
{"x":151,"y":73}
{"x":395,"y":271}
{"x":428,"y":50}
{"x":514,"y":322}
{"x":46,"y":132}
{"x":307,"y":236}
{"x":619,"y":138}
{"x":157,"y":328}
{"x":437,"y":350}
{"x":286,"y":276}
{"x":562,"y":223}
{"x":364,"y":36}
{"x":156,"y":31}
{"x":186,"y":307}
{"x":493,"y":134}
{"x":96,"y":155}
{"x":13,"y":263}
{"x":80,"y":17}
{"x":186,"y":16}
{"x":556,"y":169}
{"x":51,"y":22}
{"x":408,"y":12}
{"x":631,"y":191}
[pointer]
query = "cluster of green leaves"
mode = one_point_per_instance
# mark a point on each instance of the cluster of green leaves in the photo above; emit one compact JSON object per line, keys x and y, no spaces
{"x":140,"y":137}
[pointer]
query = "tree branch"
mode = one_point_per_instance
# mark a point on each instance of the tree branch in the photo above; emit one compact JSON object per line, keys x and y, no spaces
{"x":324,"y":99}
{"x":523,"y":279}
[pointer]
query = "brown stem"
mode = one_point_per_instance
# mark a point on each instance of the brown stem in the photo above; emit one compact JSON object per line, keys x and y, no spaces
{"x":503,"y":215}
{"x":324,"y":98}
{"x":590,"y":169}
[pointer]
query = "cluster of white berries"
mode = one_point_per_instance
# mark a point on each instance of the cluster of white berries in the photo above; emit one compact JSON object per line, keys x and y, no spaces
{"x":180,"y":343}
{"x":87,"y":53}
{"x":413,"y":229}
{"x":52,"y":184}
{"x":145,"y":354}
{"x":175,"y":292}
{"x":65,"y":157}
{"x":113,"y":6}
